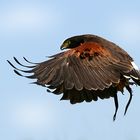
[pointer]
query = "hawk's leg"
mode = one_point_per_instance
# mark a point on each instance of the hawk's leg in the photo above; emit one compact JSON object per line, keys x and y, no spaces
{"x":129,"y":101}
{"x":116,"y":105}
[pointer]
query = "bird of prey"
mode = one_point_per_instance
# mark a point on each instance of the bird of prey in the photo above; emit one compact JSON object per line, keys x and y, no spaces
{"x":91,"y":68}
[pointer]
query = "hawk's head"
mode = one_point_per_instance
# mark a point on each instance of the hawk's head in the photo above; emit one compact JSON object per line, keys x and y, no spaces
{"x":74,"y":41}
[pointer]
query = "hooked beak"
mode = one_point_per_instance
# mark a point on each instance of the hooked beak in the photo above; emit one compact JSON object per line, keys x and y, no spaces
{"x":63,"y":46}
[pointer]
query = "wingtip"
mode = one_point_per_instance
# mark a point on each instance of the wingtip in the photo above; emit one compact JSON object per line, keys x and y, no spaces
{"x":18,"y":73}
{"x":11,"y":64}
{"x":29,"y":61}
{"x":8,"y":61}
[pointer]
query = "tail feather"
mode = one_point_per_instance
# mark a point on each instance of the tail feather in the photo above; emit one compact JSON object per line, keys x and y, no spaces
{"x":135,"y":76}
{"x":137,"y":81}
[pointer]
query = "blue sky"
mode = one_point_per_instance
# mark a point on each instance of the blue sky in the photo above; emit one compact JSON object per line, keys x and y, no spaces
{"x":36,"y":29}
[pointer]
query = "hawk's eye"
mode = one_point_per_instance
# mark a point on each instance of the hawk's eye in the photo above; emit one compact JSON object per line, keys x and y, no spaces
{"x":68,"y":42}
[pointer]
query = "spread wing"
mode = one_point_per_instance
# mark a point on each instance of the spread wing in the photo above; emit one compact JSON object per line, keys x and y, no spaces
{"x":86,"y":72}
{"x":83,"y":73}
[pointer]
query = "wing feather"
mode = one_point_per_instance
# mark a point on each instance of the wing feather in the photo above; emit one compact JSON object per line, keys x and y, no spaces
{"x":68,"y":81}
{"x":58,"y":78}
{"x":81,"y":72}
{"x":77,"y":83}
{"x":79,"y":78}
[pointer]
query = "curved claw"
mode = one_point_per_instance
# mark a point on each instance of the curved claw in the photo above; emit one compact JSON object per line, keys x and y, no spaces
{"x":129,"y":101}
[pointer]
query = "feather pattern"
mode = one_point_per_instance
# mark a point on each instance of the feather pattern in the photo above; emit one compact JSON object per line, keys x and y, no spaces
{"x":93,"y":68}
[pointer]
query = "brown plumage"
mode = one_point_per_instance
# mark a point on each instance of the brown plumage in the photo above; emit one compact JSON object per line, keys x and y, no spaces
{"x":92,"y":68}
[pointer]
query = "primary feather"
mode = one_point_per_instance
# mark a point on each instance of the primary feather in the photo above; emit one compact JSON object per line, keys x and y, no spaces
{"x":92,"y":68}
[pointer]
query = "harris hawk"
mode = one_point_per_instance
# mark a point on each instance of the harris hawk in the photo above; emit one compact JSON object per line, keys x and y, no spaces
{"x":91,"y":68}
